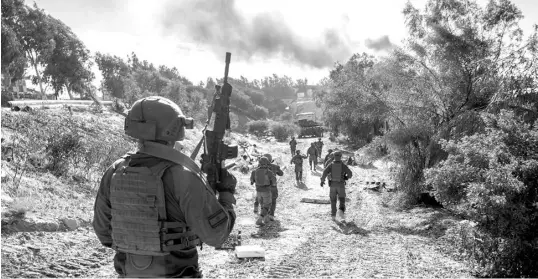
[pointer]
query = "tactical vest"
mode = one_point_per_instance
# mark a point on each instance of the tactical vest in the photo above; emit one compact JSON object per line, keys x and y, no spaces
{"x":262,"y":177}
{"x":297,"y":160}
{"x":139,"y":222}
{"x":336,"y":172}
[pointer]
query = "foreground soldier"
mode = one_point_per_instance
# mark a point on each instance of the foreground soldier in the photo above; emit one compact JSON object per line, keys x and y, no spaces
{"x":338,"y":173}
{"x":298,"y":161}
{"x":274,"y":190}
{"x":153,"y":206}
{"x":313,"y":155}
{"x":263,"y":177}
{"x":293,"y":145}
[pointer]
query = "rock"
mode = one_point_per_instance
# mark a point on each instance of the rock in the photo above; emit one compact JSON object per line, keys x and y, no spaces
{"x":70,"y":223}
{"x":32,"y":223}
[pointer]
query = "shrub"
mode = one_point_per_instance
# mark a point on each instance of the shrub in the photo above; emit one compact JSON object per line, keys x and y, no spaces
{"x":492,"y":178}
{"x":282,"y":131}
{"x":259,"y":112}
{"x":258,"y":127}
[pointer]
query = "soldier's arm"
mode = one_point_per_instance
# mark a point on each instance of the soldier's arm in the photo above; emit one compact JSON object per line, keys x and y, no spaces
{"x":348,"y":172}
{"x":252,"y":178}
{"x":326,"y":172}
{"x":279,"y":172}
{"x":102,"y":209}
{"x":210,"y":218}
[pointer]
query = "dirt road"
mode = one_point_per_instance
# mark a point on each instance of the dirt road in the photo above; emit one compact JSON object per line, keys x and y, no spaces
{"x":303,"y":241}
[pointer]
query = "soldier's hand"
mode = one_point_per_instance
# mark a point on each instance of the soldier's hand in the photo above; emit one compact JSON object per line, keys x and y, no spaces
{"x":322,"y":183}
{"x":227,"y":182}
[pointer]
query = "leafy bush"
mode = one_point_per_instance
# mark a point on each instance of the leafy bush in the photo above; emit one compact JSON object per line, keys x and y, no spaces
{"x":282,"y":131}
{"x":492,"y":178}
{"x":259,"y":112}
{"x":258,"y":127}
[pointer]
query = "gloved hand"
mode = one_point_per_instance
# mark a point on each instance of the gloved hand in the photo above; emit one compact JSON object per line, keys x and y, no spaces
{"x":227,"y":183}
{"x":322,"y":183}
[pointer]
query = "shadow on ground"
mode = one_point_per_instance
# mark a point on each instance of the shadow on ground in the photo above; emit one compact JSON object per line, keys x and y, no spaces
{"x":433,"y":226}
{"x":269,"y":231}
{"x":348,"y":228}
{"x":301,"y":185}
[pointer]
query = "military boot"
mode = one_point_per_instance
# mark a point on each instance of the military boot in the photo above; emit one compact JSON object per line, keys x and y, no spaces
{"x":267,"y":219}
{"x":341,"y":214}
{"x":259,"y":222}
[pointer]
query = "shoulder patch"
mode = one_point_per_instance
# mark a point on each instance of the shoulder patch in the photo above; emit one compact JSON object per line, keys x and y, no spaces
{"x":217,"y":218}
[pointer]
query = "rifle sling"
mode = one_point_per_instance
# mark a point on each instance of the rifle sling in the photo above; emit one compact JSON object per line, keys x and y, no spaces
{"x":170,"y":154}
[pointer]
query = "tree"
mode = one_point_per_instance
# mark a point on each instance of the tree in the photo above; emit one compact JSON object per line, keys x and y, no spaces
{"x":115,"y":72}
{"x":13,"y":55}
{"x":69,"y":64}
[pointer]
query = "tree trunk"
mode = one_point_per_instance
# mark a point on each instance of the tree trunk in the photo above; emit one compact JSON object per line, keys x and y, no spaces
{"x":69,"y":93}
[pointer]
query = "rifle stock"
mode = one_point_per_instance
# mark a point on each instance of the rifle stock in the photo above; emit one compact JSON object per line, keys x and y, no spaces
{"x":215,"y":150}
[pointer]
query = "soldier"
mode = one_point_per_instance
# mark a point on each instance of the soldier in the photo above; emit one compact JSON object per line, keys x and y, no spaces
{"x":274,"y":190}
{"x":313,"y":155}
{"x":293,"y":145}
{"x":338,"y":173}
{"x":298,"y":161}
{"x":263,"y":177}
{"x":153,"y":207}
{"x":319,"y":146}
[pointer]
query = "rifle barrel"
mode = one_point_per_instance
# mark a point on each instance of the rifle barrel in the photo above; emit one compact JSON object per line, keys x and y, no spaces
{"x":228,"y":58}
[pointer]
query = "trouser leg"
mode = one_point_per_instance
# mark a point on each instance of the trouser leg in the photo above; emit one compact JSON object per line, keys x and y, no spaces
{"x":333,"y":198}
{"x":274,"y":196}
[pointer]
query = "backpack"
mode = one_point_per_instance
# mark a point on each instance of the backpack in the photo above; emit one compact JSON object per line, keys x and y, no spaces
{"x":336,"y":172}
{"x":297,"y":160}
{"x":261,"y":177}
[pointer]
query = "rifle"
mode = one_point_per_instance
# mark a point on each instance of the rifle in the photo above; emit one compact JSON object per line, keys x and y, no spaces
{"x":215,"y":150}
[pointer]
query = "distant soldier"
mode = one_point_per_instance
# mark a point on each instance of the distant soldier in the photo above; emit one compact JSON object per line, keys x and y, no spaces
{"x":263,"y":177}
{"x":298,"y":161}
{"x":328,"y":157}
{"x":319,"y":146}
{"x":313,"y":155}
{"x":274,"y":190}
{"x":293,"y":145}
{"x":338,"y":173}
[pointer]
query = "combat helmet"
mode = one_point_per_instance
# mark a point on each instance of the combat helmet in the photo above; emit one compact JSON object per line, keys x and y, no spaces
{"x":330,"y":151}
{"x":269,"y":157}
{"x":264,"y":161}
{"x":156,"y":119}
{"x":337,"y":155}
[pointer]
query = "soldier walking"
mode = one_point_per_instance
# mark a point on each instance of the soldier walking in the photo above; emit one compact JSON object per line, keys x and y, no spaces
{"x":293,"y":146}
{"x":274,"y":190}
{"x":319,"y":146}
{"x":298,"y":161}
{"x":263,"y":177}
{"x":313,"y":155}
{"x":338,"y":173}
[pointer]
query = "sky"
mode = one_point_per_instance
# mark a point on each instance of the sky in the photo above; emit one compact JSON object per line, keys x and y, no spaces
{"x":299,"y":38}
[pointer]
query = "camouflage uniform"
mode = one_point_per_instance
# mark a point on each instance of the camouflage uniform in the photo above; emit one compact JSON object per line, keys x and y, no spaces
{"x":319,"y":146}
{"x":274,"y":189}
{"x":263,"y":190}
{"x":153,"y":206}
{"x":313,"y":154}
{"x":293,"y":146}
{"x":298,"y":161}
{"x":337,"y":182}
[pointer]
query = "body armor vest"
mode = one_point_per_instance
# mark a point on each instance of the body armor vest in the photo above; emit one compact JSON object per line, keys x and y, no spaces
{"x":139,"y":222}
{"x":262,"y":178}
{"x":336,"y":172}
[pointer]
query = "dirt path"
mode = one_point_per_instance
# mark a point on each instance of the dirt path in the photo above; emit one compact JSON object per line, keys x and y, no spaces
{"x":303,"y":241}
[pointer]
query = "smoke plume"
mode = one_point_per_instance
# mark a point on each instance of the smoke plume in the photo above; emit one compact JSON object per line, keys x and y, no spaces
{"x":219,"y":25}
{"x":379,"y":44}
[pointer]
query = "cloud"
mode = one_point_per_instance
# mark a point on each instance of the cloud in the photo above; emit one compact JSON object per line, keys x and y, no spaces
{"x":379,"y":44}
{"x":219,"y":25}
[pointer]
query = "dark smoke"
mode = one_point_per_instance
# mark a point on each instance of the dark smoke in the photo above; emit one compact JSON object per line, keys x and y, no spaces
{"x":382,"y":43}
{"x":220,"y":25}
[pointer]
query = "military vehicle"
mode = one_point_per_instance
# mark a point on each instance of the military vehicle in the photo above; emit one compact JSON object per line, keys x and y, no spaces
{"x":308,"y":124}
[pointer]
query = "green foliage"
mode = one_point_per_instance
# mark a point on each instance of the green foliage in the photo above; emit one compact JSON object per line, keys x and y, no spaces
{"x":492,"y":178}
{"x":257,"y":127}
{"x":259,"y":112}
{"x":282,"y":131}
